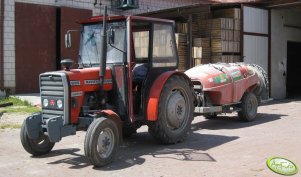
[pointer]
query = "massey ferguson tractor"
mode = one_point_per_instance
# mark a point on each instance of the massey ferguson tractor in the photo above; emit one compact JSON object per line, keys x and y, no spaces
{"x":127,"y":77}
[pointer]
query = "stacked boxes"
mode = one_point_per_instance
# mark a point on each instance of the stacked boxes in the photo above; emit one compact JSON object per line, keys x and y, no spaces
{"x":204,"y":44}
{"x":218,"y":33}
{"x":216,"y":37}
{"x":225,"y":36}
{"x":181,"y":41}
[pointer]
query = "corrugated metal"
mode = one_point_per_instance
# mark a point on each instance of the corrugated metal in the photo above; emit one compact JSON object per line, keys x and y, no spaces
{"x":256,"y":50}
{"x":255,"y":20}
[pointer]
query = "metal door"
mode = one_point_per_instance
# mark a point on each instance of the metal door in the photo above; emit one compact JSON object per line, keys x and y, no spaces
{"x":256,"y":36}
{"x":35,"y":27}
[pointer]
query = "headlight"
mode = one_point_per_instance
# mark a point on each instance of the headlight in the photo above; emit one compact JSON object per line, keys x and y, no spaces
{"x":45,"y":102}
{"x":59,"y":103}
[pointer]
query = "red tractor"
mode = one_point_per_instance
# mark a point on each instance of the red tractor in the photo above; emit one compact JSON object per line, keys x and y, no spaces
{"x":126,"y":78}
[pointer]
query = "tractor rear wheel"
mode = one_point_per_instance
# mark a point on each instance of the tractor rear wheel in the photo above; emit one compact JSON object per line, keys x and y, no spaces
{"x":101,"y":141}
{"x":249,"y":106}
{"x":36,"y":147}
{"x":175,"y":112}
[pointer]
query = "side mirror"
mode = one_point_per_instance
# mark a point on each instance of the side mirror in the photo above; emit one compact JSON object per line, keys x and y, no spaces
{"x":111,"y":36}
{"x":68,"y":40}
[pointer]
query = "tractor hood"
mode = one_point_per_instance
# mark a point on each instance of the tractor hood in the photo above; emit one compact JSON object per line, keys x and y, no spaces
{"x":87,"y":79}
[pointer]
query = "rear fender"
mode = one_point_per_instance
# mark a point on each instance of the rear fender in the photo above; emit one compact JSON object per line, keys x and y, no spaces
{"x":155,"y":92}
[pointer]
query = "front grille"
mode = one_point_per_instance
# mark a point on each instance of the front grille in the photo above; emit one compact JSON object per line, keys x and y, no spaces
{"x":52,"y":88}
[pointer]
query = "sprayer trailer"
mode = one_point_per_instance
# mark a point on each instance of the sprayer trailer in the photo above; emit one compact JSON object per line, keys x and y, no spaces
{"x":126,"y":78}
{"x":229,"y":87}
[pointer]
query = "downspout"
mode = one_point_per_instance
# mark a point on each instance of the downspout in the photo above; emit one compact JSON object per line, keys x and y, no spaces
{"x":1,"y":44}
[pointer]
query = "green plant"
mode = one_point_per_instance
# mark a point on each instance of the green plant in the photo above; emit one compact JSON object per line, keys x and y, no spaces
{"x":14,"y":126}
{"x":16,"y":101}
{"x":18,"y":106}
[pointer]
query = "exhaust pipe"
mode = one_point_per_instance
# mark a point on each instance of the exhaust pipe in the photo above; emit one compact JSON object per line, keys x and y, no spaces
{"x":103,"y":49}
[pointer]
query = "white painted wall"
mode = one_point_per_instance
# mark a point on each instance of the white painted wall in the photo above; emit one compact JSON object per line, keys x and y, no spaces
{"x":279,"y":37}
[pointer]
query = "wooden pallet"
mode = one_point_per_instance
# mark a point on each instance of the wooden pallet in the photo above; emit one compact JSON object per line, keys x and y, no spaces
{"x":181,"y":42}
{"x":220,"y":46}
{"x":237,"y":24}
{"x":198,"y":61}
{"x":182,"y":28}
{"x":224,"y":35}
{"x":204,"y":43}
{"x":236,"y":35}
{"x":199,"y":28}
{"x":225,"y":58}
{"x":221,"y":23}
{"x":227,"y":13}
{"x":196,"y":52}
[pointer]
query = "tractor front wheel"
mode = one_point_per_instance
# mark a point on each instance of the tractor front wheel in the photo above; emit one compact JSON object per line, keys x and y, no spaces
{"x":249,"y":106}
{"x":175,"y":112}
{"x":36,"y":147}
{"x":101,"y":142}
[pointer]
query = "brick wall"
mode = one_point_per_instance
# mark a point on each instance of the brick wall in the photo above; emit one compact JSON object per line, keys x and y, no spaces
{"x":9,"y":23}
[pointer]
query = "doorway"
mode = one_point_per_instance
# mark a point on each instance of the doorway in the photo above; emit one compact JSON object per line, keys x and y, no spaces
{"x":293,"y":84}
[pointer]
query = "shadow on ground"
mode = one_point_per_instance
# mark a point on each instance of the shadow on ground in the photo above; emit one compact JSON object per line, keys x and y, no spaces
{"x":134,"y":148}
{"x":77,"y":160}
{"x":233,"y":122}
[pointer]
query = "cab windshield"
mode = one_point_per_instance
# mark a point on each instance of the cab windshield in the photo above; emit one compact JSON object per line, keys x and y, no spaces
{"x":89,"y":54}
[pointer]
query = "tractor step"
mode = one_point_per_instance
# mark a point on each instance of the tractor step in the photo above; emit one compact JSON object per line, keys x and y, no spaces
{"x":211,"y":109}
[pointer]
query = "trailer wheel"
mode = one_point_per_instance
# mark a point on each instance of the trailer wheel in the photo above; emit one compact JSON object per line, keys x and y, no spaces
{"x":262,"y":91}
{"x":248,"y":107}
{"x":175,"y":112}
{"x":101,"y":142}
{"x":36,"y":147}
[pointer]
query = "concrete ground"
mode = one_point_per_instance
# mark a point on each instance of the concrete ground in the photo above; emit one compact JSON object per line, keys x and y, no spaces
{"x":222,"y":147}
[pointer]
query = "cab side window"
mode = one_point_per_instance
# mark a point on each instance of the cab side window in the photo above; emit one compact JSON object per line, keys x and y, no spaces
{"x":141,"y":44}
{"x":164,"y":51}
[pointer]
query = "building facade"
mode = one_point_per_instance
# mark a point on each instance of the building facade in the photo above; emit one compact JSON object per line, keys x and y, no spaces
{"x":32,"y":37}
{"x":11,"y":31}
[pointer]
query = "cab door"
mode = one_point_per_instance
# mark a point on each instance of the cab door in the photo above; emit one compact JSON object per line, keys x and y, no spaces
{"x":153,"y":46}
{"x":163,"y":55}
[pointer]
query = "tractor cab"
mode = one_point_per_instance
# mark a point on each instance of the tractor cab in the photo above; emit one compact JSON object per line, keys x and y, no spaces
{"x":139,"y":49}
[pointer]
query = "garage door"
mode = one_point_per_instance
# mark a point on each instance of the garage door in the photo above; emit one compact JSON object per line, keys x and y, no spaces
{"x":35,"y":27}
{"x":256,"y":36}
